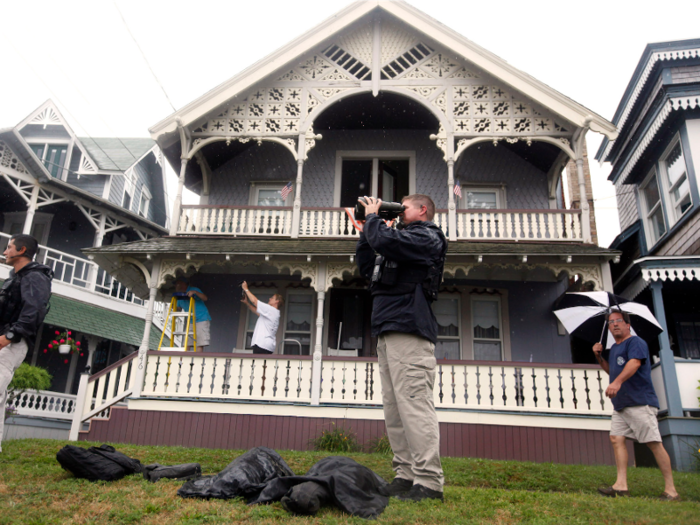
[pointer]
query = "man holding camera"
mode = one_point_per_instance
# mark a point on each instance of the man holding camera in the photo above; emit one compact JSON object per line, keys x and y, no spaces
{"x":23,"y":299}
{"x":405,"y":270}
{"x":634,"y":401}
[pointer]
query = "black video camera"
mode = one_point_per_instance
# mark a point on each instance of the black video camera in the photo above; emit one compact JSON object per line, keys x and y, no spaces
{"x":387,"y":210}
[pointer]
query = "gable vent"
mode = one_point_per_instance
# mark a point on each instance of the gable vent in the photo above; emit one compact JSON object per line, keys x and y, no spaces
{"x":405,"y":61}
{"x":350,"y":64}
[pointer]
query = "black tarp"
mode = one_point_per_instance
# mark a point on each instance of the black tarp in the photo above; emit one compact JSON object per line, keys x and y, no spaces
{"x":97,"y":463}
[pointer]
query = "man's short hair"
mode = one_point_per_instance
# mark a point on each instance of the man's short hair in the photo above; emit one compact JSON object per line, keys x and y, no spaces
{"x":625,"y":315}
{"x":22,"y":240}
{"x":280,"y":300}
{"x":422,"y":200}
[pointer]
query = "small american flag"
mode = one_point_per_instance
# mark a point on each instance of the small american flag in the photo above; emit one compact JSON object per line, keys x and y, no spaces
{"x":286,"y":191}
{"x":458,"y":189}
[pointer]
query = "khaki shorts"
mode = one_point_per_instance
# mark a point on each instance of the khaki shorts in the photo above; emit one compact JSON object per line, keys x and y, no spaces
{"x":202,"y":334}
{"x":638,"y":423}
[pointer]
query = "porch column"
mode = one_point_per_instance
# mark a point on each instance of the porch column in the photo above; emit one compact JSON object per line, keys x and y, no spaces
{"x":175,"y":219}
{"x":31,"y":209}
{"x":296,"y":213}
{"x":451,"y":207}
{"x":71,"y":372}
{"x":318,"y":346}
{"x":607,"y":277}
{"x":668,"y":360}
{"x":92,"y":346}
{"x":96,"y":243}
{"x":142,"y":359}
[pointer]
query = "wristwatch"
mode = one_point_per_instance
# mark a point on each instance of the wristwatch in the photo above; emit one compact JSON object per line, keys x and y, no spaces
{"x":12,"y":337}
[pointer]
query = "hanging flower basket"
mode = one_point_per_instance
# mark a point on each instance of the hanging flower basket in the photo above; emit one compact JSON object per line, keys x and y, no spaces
{"x":65,"y":343}
{"x":64,"y":349}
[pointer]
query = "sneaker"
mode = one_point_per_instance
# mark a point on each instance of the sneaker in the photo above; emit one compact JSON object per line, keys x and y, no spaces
{"x":419,"y":493}
{"x":399,"y":486}
{"x":612,"y":493}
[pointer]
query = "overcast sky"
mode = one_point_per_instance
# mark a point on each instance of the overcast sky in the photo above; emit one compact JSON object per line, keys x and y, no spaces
{"x":81,"y":54}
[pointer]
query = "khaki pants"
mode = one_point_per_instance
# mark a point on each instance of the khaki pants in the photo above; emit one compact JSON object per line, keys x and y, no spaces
{"x":407,"y":368}
{"x":10,"y":358}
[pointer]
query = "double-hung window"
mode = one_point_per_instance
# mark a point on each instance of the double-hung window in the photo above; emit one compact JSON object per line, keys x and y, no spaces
{"x":298,"y":323}
{"x":129,"y":187}
{"x":482,"y":198}
{"x":653,"y":211}
{"x":447,"y":314}
{"x":486,"y":326}
{"x":145,"y":202}
{"x":53,"y":156}
{"x":676,"y":181}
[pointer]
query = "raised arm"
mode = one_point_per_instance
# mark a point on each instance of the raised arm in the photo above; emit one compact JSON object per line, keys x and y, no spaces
{"x":249,"y":295}
{"x":597,"y":352}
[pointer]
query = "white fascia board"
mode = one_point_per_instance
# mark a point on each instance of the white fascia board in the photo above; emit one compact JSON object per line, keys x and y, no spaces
{"x":261,"y":69}
{"x":499,"y":68}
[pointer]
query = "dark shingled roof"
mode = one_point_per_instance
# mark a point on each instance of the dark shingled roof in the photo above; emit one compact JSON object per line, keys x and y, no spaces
{"x":248,"y":245}
{"x":116,"y":154}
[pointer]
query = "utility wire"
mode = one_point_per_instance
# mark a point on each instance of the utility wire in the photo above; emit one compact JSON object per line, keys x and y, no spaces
{"x":144,"y":56}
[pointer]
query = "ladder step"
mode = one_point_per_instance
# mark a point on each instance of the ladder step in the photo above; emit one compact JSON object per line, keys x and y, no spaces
{"x":179,"y":314}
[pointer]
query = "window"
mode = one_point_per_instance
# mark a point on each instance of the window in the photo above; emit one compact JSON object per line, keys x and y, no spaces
{"x":129,"y":187}
{"x":14,"y":223}
{"x":486,"y":326}
{"x":144,"y":202}
{"x":482,"y":198}
{"x":390,"y":175}
{"x":688,"y":335}
{"x":447,"y":313}
{"x":269,"y":194}
{"x":53,"y":156}
{"x":676,"y":181}
{"x":653,"y":212}
{"x":298,"y":322}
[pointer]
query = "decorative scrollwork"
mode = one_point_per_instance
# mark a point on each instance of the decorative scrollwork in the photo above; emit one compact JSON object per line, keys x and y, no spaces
{"x":338,"y":271}
{"x":307,"y":270}
{"x":169,"y":268}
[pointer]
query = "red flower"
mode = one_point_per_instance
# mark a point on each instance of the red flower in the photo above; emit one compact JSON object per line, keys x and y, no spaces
{"x":77,"y":343}
{"x":45,"y":350}
{"x":66,"y":361}
{"x":69,"y":340}
{"x":55,"y":342}
{"x":58,"y":333}
{"x":63,"y":340}
{"x":68,"y":333}
{"x":81,"y":354}
{"x":50,"y":345}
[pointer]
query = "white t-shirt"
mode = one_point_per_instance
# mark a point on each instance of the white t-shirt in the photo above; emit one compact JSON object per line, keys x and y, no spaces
{"x":265,"y":333}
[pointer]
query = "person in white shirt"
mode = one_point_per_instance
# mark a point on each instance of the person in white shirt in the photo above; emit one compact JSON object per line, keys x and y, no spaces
{"x":265,"y":334}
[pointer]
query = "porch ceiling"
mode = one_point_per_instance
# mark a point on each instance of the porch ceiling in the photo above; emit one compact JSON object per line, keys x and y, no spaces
{"x":329,"y":247}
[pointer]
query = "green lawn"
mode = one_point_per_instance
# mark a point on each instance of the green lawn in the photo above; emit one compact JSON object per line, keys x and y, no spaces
{"x":35,"y":490}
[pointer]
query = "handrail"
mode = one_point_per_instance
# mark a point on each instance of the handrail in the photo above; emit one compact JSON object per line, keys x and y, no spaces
{"x":111,"y":367}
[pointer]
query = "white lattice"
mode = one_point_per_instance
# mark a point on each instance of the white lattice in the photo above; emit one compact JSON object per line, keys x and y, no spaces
{"x":395,"y":40}
{"x":358,"y":43}
{"x":9,"y":160}
{"x":48,"y":117}
{"x":327,"y":93}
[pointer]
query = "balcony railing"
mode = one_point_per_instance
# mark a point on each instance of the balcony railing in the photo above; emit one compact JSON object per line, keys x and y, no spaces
{"x":477,"y":385}
{"x":473,"y":225}
{"x":77,"y":271}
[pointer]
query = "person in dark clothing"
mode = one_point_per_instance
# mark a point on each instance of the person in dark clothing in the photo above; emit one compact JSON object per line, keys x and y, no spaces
{"x":23,"y":299}
{"x":634,"y":400}
{"x":405,"y":268}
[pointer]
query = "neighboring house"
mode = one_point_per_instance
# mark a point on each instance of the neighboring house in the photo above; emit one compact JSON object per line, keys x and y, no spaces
{"x":655,"y":163}
{"x":379,"y":99}
{"x":73,"y":193}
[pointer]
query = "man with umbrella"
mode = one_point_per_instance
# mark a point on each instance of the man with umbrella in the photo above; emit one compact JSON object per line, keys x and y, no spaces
{"x":634,"y":400}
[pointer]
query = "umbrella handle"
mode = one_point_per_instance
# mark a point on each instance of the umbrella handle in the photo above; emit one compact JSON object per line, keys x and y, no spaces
{"x":602,"y":334}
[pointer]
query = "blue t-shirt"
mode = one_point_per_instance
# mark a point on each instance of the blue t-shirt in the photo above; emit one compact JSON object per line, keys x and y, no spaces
{"x":638,"y":390}
{"x":200,"y":309}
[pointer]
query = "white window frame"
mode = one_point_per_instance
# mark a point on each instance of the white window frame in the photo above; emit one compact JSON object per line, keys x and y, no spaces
{"x":147,"y":195}
{"x":501,"y":340}
{"x":375,"y":157}
{"x":287,"y":302}
{"x":256,"y":186}
{"x":647,"y":213}
{"x":667,"y":189}
{"x":455,"y":297}
{"x":499,"y":190}
{"x":54,"y":142}
{"x":19,"y":217}
{"x":130,"y":188}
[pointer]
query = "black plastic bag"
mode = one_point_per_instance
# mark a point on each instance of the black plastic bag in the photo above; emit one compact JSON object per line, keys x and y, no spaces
{"x":97,"y":463}
{"x":156,"y":471}
{"x":352,"y":487}
{"x":244,"y":476}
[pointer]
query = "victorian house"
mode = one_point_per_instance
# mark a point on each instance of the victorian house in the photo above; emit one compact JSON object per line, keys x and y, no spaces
{"x":380,"y":99}
{"x":654,"y":163}
{"x":72,"y":193}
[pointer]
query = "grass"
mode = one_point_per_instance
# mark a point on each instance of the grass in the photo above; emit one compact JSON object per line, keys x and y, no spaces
{"x":35,"y":490}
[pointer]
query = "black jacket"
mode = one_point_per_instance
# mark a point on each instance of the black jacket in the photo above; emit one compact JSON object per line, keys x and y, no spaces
{"x":419,"y":244}
{"x":23,"y":300}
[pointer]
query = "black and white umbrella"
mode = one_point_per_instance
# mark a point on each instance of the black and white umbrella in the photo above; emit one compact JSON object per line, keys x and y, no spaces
{"x":583,"y":315}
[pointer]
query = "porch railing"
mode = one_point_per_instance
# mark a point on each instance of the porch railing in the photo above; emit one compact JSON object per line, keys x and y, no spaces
{"x":42,"y":403}
{"x":522,"y":225}
{"x":76,"y":271}
{"x":479,"y":385}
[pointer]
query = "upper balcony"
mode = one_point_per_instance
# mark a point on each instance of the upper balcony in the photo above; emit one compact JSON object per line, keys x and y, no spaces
{"x":471,"y":225}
